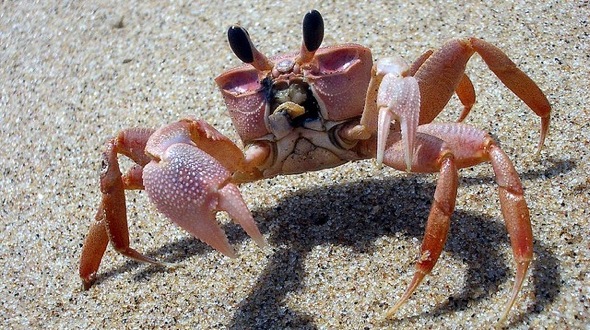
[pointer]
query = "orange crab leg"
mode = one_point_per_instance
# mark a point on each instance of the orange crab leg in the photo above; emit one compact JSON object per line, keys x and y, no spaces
{"x":437,"y":227}
{"x":517,"y":81}
{"x":441,"y":73}
{"x":111,"y":218}
{"x":432,"y":155}
{"x":464,"y":89}
{"x":94,"y":247}
{"x":463,"y":146}
{"x":466,"y":94}
{"x":516,"y":216}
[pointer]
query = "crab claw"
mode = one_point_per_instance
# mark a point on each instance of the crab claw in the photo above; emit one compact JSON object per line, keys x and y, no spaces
{"x":190,"y":186}
{"x":398,"y":99}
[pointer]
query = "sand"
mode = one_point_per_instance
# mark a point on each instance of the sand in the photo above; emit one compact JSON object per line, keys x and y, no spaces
{"x":341,"y":242}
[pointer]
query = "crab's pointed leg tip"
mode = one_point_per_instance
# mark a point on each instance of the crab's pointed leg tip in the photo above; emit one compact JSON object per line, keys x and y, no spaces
{"x":544,"y":132}
{"x":231,"y":254}
{"x":87,"y":283}
{"x":261,"y":242}
{"x":521,"y":272}
{"x":389,"y":314}
{"x":416,"y":280}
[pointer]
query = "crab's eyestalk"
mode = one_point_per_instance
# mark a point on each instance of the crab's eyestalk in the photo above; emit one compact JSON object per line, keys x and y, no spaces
{"x":241,"y":45}
{"x":313,"y":30}
{"x":313,"y":35}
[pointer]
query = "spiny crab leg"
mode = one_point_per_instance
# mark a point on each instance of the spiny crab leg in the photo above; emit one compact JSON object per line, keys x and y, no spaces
{"x":190,"y":186}
{"x":517,"y":81}
{"x":516,"y":215}
{"x":463,"y":146}
{"x":437,"y":227}
{"x":466,"y":94}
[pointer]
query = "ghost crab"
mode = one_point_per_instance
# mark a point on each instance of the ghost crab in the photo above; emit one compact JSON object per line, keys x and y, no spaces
{"x":316,"y":109}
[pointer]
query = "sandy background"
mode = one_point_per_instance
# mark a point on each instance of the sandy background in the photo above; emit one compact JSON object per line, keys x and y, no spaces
{"x":342,"y":241}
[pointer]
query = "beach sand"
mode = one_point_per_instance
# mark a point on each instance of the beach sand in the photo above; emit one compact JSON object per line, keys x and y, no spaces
{"x":342,"y":243}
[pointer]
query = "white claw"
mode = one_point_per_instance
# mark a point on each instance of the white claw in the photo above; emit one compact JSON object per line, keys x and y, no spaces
{"x":385,"y":118}
{"x":398,"y":98}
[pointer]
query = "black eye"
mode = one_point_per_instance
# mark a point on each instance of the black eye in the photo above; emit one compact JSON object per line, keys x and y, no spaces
{"x":239,"y":41}
{"x":313,"y":30}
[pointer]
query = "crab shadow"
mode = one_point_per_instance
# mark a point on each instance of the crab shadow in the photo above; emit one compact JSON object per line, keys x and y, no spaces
{"x":344,"y":215}
{"x":317,"y":217}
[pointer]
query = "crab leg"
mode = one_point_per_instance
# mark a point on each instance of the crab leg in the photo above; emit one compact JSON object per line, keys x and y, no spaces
{"x":111,"y":218}
{"x":465,"y":146}
{"x":440,"y":74}
{"x":475,"y":146}
{"x":464,"y":89}
{"x":466,"y":94}
{"x":93,"y":249}
{"x":432,"y":155}
{"x":516,"y":216}
{"x":516,"y":80}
